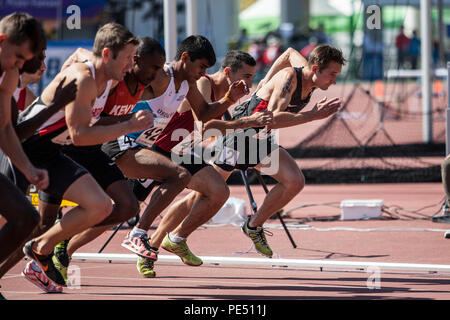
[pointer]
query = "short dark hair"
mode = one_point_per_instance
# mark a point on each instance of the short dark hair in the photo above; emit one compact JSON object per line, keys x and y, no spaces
{"x":198,"y":47}
{"x":21,"y":27}
{"x":147,"y":46}
{"x":323,"y":54}
{"x":113,"y":36}
{"x":235,"y":58}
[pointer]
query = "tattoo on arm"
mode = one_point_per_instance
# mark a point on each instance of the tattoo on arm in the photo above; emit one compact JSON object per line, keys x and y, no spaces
{"x":287,"y":86}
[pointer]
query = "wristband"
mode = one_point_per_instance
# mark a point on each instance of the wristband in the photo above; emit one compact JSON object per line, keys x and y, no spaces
{"x":228,"y":98}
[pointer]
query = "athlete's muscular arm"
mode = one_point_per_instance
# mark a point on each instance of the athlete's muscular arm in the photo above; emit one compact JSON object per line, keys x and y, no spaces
{"x":205,"y":111}
{"x":289,"y":58}
{"x":281,"y":87}
{"x":63,"y":95}
{"x":9,"y":142}
{"x":79,"y":114}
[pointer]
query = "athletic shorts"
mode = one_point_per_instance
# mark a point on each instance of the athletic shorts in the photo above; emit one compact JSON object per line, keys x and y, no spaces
{"x":241,"y":150}
{"x":142,"y":187}
{"x":63,"y":172}
{"x":13,"y":174}
{"x":97,"y":163}
{"x":116,"y":148}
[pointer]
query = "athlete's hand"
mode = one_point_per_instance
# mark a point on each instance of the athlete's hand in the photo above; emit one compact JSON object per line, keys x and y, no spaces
{"x":237,"y":90}
{"x":262,"y":118}
{"x":65,"y":95}
{"x":325,"y":108}
{"x":141,"y":120}
{"x":38,"y":177}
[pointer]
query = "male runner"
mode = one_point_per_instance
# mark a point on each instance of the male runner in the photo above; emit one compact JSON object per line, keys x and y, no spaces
{"x":114,"y":48}
{"x":148,"y":60}
{"x":179,"y":210}
{"x":286,"y":93}
{"x":21,"y":37}
{"x":63,"y":95}
{"x":237,"y":65}
{"x":176,"y":82}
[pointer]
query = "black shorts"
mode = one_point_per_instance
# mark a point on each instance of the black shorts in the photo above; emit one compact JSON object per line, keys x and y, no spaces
{"x":116,"y":148}
{"x":142,"y":187}
{"x":102,"y":169}
{"x":13,"y":174}
{"x":63,"y":172}
{"x":241,"y":150}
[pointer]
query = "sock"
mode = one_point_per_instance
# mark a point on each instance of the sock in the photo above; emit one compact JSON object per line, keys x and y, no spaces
{"x":248,"y":226}
{"x":175,"y":239}
{"x":136,"y":232}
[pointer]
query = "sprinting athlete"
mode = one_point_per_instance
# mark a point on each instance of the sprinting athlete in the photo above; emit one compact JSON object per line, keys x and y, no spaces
{"x":237,"y":65}
{"x":135,"y":153}
{"x":148,"y":60}
{"x":285,"y":92}
{"x":21,"y":38}
{"x":114,"y":48}
{"x":63,"y":95}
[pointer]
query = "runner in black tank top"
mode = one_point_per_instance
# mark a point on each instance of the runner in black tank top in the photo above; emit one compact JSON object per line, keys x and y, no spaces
{"x":286,"y":92}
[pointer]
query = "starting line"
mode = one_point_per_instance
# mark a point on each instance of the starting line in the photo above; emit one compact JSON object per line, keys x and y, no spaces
{"x":131,"y":258}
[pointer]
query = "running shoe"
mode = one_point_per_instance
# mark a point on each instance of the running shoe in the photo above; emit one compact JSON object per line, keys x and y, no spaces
{"x":258,"y":238}
{"x":34,"y":274}
{"x":181,"y":249}
{"x":61,"y":259}
{"x":140,"y":246}
{"x":145,"y":267}
{"x":45,"y":262}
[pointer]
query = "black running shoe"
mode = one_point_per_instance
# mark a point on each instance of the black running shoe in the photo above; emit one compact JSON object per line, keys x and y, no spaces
{"x":45,"y":262}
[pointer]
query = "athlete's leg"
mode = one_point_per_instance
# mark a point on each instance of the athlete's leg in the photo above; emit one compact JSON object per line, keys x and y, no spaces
{"x":20,"y":215}
{"x":180,"y":210}
{"x":125,"y":207}
{"x":214,"y":192}
{"x":290,"y":182}
{"x":48,"y":212}
{"x":146,"y":163}
{"x":94,"y":206}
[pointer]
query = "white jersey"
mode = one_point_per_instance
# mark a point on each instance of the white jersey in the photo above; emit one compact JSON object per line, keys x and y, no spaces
{"x":57,"y":121}
{"x":163,"y":108}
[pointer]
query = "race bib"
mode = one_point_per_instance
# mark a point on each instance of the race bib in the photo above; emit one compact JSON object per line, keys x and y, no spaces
{"x":126,"y":143}
{"x":149,"y":136}
{"x":228,"y":156}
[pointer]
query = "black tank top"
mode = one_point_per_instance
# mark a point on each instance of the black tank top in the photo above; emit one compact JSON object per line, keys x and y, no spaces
{"x":297,"y":104}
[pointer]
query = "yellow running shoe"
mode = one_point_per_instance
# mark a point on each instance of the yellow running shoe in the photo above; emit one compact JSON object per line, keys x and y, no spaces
{"x":61,"y":259}
{"x":258,"y":238}
{"x":145,"y":267}
{"x":181,"y":249}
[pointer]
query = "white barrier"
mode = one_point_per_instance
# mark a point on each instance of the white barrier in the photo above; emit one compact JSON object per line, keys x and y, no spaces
{"x":288,"y":263}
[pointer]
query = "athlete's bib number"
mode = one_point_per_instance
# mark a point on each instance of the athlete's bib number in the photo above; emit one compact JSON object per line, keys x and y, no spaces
{"x":125,"y":143}
{"x":148,"y":137}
